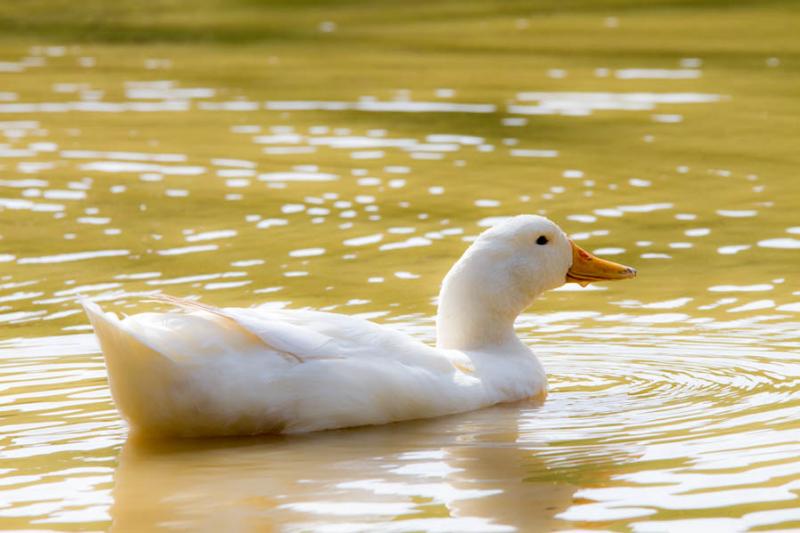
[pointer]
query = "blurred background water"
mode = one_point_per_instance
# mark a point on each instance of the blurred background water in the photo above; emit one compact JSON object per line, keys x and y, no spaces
{"x":340,"y":155}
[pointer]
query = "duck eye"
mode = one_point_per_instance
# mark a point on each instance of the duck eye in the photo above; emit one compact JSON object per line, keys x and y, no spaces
{"x":542,"y":240}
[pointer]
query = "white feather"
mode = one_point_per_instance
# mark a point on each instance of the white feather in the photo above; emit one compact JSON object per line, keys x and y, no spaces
{"x":202,"y":370}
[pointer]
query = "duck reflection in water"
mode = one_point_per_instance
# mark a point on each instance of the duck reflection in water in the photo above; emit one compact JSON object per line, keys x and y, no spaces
{"x":470,"y":472}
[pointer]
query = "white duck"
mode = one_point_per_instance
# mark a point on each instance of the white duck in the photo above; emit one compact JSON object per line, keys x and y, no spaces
{"x":213,"y":371}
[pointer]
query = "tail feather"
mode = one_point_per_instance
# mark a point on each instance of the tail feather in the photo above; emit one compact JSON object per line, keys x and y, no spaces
{"x":180,"y":374}
{"x":139,"y":376}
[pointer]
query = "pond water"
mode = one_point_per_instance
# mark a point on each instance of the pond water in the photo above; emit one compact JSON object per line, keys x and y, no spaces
{"x":343,"y":164}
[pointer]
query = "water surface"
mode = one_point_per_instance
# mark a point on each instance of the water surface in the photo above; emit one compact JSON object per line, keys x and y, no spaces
{"x":341,"y":157}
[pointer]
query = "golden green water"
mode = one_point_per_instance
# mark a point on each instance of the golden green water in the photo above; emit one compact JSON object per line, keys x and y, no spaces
{"x":341,"y":156}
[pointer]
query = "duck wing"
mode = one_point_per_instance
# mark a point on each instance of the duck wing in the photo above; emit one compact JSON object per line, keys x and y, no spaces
{"x":302,"y":336}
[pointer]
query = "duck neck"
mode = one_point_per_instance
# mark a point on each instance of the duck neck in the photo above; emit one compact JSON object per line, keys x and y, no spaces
{"x":459,"y":330}
{"x":477,"y":311}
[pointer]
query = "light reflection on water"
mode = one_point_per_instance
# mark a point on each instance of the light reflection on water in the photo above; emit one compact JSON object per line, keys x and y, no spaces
{"x":674,"y":398}
{"x":631,"y":430}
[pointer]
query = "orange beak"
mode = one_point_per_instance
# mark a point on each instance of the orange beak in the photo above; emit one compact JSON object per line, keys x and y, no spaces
{"x":587,"y":268}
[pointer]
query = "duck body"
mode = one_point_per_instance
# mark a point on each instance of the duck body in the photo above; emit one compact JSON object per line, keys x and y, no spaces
{"x":208,"y":371}
{"x":250,"y":371}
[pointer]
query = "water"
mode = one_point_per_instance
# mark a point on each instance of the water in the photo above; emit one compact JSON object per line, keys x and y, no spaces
{"x":345,"y":166}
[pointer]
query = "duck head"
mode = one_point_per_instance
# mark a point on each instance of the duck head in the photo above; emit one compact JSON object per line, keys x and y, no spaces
{"x":503,"y":271}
